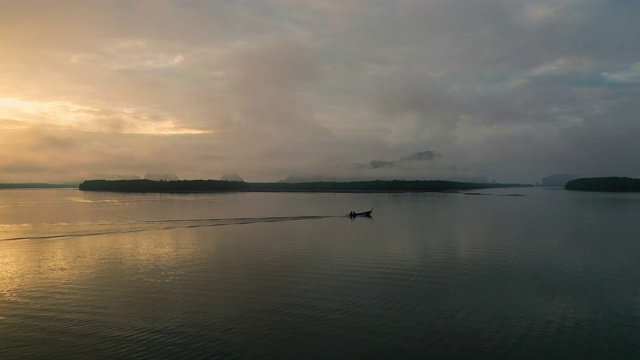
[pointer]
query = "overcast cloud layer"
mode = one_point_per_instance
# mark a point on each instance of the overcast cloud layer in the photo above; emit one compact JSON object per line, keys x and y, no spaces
{"x":508,"y":90}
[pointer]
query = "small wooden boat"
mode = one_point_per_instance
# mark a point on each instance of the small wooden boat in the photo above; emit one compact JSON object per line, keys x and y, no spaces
{"x":355,"y":214}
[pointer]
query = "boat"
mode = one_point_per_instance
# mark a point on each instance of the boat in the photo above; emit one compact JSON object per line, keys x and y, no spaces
{"x":365,"y":213}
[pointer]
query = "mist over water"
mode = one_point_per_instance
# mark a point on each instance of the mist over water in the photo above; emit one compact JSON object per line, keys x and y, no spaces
{"x":552,"y":274}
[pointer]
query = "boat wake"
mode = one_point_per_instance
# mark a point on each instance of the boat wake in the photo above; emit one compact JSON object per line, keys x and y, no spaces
{"x":43,"y":231}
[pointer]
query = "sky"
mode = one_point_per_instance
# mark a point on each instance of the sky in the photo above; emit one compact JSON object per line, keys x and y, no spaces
{"x":339,"y":89}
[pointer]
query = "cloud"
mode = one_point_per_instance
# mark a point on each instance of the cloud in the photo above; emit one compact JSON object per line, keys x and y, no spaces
{"x":375,"y":164}
{"x":514,"y":90}
{"x":421,"y":158}
{"x":628,"y":76}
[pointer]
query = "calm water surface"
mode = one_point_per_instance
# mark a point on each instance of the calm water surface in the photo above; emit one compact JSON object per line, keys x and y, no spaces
{"x":549,"y":275}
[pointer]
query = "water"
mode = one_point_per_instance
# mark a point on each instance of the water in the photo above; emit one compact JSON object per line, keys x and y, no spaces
{"x":553,"y":275}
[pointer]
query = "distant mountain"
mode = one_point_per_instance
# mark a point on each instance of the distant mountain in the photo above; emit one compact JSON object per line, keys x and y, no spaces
{"x":231,"y":177}
{"x":159,"y":177}
{"x":557,"y":180}
{"x":322,"y":178}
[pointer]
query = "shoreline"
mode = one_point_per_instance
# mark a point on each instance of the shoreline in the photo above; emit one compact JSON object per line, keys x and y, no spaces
{"x":219,"y":186}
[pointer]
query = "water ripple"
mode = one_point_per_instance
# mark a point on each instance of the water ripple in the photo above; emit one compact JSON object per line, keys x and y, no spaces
{"x":44,"y":231}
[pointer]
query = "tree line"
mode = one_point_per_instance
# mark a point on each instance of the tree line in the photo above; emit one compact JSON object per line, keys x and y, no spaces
{"x":609,"y":184}
{"x":220,"y":185}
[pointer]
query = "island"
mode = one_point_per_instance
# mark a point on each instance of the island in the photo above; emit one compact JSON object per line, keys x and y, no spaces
{"x":142,"y":185}
{"x":608,"y":184}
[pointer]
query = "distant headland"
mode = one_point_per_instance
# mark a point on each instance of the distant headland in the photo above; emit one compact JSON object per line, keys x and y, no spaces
{"x":142,"y":185}
{"x":608,"y":184}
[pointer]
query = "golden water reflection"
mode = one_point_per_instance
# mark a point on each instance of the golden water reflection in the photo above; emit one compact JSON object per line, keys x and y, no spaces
{"x":29,"y":266}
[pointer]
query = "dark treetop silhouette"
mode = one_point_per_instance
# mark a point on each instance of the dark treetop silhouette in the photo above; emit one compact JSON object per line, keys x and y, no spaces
{"x":217,"y":185}
{"x":610,"y":184}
